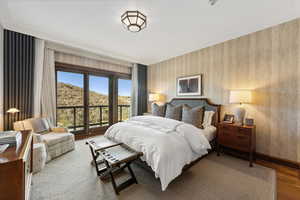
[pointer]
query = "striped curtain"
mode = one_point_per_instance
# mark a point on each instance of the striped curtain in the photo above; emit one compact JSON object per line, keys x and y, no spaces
{"x":18,"y":73}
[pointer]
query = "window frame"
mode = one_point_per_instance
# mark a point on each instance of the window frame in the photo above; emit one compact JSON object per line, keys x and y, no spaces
{"x":113,"y":94}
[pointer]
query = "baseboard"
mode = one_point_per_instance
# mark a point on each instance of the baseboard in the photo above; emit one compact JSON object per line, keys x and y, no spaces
{"x":85,"y":136}
{"x":279,"y":161}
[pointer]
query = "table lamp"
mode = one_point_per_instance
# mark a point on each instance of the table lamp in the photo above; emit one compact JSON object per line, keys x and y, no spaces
{"x":13,"y":110}
{"x":155,"y":97}
{"x":240,"y":97}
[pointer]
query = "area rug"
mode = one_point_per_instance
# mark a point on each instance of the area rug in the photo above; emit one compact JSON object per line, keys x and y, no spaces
{"x":72,"y":177}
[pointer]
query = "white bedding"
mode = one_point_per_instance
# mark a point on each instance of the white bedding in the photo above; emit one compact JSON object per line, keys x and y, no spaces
{"x":168,"y":145}
{"x":210,"y":132}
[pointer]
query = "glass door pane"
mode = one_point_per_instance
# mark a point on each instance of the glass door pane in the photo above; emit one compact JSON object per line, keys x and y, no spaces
{"x":70,"y":100}
{"x":124,"y":99}
{"x":98,"y":101}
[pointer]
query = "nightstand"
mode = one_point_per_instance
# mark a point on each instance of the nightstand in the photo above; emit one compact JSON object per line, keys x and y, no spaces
{"x":237,"y":137}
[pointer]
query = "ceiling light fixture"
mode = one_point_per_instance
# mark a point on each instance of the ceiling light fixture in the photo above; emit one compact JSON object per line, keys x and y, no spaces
{"x":134,"y":21}
{"x":213,"y":2}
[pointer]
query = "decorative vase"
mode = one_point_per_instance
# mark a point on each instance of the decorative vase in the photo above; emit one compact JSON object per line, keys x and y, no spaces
{"x":239,"y":114}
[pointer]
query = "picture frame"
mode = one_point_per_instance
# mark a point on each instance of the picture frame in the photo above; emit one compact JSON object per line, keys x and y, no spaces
{"x":189,"y":85}
{"x":228,"y":118}
{"x":249,"y":122}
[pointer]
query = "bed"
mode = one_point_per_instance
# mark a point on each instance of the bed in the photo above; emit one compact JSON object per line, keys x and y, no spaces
{"x":169,"y":146}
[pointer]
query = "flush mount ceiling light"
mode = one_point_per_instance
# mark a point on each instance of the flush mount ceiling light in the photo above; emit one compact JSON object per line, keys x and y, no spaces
{"x":213,"y":2}
{"x":134,"y":21}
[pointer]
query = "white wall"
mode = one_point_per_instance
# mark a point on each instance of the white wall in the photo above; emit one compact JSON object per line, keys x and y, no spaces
{"x":1,"y":76}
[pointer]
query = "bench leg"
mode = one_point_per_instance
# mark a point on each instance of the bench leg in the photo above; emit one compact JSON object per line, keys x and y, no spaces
{"x":125,"y":184}
{"x":132,"y":174}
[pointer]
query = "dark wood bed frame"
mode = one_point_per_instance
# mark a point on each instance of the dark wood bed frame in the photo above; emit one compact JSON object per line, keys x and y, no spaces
{"x":193,"y":102}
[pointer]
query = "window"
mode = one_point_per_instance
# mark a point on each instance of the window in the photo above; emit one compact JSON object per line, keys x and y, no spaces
{"x":70,"y":100}
{"x":98,"y":101}
{"x":124,"y":99}
{"x":85,"y":98}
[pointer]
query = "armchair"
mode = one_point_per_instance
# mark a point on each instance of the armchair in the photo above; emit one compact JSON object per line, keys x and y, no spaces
{"x":58,"y":141}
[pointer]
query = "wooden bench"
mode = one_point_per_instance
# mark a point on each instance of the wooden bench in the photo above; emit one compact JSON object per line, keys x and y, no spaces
{"x":115,"y":157}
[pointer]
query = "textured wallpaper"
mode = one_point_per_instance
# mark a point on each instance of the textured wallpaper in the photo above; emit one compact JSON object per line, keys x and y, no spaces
{"x":268,"y":62}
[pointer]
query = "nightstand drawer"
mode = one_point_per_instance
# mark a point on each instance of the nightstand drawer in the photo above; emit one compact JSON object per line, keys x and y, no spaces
{"x":244,"y":131}
{"x":229,"y":128}
{"x":242,"y":142}
{"x":226,"y":137}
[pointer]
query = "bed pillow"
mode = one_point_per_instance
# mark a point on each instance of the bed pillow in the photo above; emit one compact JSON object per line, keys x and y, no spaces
{"x":193,"y":116}
{"x":158,"y":110}
{"x":173,"y":112}
{"x":207,"y":119}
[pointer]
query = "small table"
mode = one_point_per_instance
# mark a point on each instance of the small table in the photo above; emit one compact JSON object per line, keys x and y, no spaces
{"x":237,"y":137}
{"x":116,"y":156}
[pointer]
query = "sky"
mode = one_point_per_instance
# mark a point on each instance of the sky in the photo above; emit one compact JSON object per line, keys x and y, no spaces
{"x":96,"y":83}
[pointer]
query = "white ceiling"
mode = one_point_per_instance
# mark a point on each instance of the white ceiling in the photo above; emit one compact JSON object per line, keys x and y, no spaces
{"x":174,"y":27}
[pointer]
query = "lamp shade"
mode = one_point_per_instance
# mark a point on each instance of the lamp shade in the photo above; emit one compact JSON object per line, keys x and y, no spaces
{"x":153,"y":97}
{"x":13,"y":110}
{"x":156,"y":97}
{"x":240,"y":96}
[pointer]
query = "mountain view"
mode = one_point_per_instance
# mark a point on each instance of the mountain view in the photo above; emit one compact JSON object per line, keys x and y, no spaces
{"x":71,"y":95}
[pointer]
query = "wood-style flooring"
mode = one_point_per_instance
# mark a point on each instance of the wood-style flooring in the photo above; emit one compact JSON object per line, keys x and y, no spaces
{"x":288,"y":181}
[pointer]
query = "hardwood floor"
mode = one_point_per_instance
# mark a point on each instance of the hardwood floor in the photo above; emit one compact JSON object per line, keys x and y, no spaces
{"x":288,"y":181}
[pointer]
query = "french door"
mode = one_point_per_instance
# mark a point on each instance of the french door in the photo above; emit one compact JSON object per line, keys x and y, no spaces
{"x":89,"y":102}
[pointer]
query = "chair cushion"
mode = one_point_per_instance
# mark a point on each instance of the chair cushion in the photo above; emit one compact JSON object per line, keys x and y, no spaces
{"x":54,"y":138}
{"x":27,"y":124}
{"x":19,"y":126}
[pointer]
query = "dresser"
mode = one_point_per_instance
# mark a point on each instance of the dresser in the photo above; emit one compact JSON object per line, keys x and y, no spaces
{"x":237,"y":137}
{"x":16,"y":170}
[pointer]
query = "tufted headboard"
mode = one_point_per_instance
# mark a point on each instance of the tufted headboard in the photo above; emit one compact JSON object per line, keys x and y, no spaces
{"x":193,"y":102}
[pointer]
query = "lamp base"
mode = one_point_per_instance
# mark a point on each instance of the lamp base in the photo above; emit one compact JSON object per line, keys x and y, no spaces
{"x":239,"y":114}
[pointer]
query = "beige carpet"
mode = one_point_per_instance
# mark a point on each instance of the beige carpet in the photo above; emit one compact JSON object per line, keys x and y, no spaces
{"x":212,"y":178}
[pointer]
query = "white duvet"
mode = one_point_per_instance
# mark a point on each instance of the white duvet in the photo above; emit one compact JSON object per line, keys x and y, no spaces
{"x":168,"y":145}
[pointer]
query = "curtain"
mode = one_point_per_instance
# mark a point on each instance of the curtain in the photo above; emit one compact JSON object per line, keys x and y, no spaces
{"x":1,"y":76}
{"x":134,"y":86}
{"x":139,"y":90}
{"x":19,"y":51}
{"x":38,"y":76}
{"x":48,"y":93}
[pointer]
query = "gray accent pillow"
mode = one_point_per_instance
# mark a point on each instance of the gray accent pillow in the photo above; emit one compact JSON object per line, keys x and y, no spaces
{"x":38,"y":125}
{"x":158,"y":110}
{"x":173,"y":112}
{"x":193,"y":116}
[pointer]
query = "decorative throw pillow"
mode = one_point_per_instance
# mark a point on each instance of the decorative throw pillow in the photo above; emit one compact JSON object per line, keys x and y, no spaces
{"x":39,"y":126}
{"x":193,"y":116}
{"x":158,"y":110}
{"x":208,"y":117}
{"x":173,"y":112}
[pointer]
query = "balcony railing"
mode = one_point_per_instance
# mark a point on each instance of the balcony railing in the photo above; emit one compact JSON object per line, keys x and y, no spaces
{"x":73,"y":119}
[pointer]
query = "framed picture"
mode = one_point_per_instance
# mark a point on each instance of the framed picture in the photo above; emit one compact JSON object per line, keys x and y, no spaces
{"x":228,"y":118}
{"x":189,"y":85}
